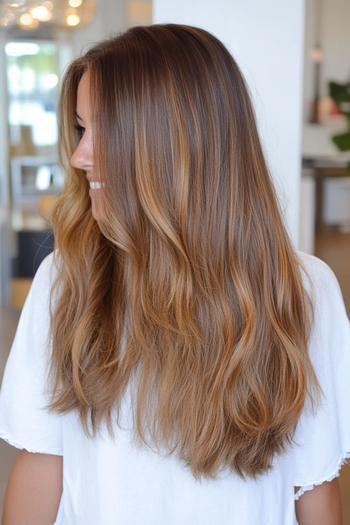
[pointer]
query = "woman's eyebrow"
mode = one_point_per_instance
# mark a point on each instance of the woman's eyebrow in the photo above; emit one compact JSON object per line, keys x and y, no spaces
{"x":78,"y":116}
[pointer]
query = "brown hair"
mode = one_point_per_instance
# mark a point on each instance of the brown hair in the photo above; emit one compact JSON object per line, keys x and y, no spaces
{"x":190,"y":260}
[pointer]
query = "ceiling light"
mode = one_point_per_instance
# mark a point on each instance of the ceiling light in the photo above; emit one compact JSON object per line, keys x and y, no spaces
{"x":27,"y":21}
{"x":29,"y":14}
{"x":41,"y":13}
{"x":75,"y":3}
{"x":73,"y":20}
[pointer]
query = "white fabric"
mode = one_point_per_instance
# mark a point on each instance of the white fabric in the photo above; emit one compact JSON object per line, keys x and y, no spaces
{"x":117,"y":482}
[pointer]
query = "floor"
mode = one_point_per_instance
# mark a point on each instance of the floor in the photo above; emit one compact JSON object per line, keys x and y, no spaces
{"x":331,"y":246}
{"x":9,"y":319}
{"x":334,"y":248}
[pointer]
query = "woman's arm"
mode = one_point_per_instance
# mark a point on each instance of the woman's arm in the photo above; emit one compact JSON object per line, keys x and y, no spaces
{"x":321,"y":505}
{"x":34,"y":490}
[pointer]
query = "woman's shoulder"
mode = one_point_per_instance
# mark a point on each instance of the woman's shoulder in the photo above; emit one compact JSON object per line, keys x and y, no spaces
{"x":39,"y":294}
{"x":317,"y":269}
{"x":48,"y":263}
{"x":322,"y":437}
{"x":319,"y":280}
{"x":330,"y":335}
{"x":47,"y":270}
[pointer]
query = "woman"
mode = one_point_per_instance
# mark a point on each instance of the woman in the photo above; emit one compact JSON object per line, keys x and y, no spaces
{"x":195,"y":371}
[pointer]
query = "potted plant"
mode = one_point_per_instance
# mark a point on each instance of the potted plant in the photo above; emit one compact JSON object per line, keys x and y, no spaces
{"x":340,"y":93}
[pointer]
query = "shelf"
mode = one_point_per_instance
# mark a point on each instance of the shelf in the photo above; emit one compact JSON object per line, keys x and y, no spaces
{"x":34,"y":176}
{"x":28,"y":220}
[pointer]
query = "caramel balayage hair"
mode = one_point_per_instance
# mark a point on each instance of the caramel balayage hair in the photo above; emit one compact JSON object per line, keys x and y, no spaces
{"x":190,"y":260}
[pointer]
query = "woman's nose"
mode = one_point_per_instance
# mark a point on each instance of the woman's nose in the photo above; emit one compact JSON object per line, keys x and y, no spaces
{"x":82,"y":157}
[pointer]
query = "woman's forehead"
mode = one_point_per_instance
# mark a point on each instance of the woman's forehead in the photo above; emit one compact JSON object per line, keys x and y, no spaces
{"x":84,"y":84}
{"x":83,"y":94}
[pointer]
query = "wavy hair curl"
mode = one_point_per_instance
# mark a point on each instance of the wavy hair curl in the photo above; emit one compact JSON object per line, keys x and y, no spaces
{"x":190,"y":266}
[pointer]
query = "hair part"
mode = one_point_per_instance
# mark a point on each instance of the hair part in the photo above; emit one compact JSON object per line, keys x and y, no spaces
{"x":188,"y":280}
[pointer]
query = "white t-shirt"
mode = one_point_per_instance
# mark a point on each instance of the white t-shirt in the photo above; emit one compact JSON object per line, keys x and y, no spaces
{"x":108,"y":482}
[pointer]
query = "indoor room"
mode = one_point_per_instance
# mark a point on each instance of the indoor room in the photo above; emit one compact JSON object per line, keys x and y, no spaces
{"x":296,"y":73}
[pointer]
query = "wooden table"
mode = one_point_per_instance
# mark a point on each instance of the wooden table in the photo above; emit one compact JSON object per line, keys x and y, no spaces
{"x":322,"y":171}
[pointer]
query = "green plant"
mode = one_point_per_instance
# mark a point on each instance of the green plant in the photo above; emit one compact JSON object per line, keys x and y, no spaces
{"x":340,"y":93}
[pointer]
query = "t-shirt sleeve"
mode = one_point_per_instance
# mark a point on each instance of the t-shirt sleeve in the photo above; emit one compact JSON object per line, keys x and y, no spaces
{"x":25,"y":423}
{"x":322,"y":437}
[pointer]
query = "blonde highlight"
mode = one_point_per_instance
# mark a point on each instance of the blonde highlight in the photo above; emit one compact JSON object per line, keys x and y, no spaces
{"x":190,"y":265}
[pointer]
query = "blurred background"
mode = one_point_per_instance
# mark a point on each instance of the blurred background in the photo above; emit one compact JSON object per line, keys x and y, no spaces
{"x":296,"y":61}
{"x":37,"y":41}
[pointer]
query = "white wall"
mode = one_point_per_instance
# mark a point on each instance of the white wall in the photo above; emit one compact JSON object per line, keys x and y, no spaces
{"x":328,"y":19}
{"x":4,"y":158}
{"x":112,"y":17}
{"x":266,"y":39}
{"x":328,"y":22}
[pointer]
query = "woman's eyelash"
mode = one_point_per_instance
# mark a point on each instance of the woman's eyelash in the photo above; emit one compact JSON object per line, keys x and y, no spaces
{"x":79,"y":129}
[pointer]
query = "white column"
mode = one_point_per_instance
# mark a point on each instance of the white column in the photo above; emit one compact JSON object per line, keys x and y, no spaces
{"x":111,"y":18}
{"x":4,"y":158}
{"x":266,"y":40}
{"x":4,"y":181}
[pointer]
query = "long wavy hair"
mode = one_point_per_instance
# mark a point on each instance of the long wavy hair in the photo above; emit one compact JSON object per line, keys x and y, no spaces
{"x":188,"y":282}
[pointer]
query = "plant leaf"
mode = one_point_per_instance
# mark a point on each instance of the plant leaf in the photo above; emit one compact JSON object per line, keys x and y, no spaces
{"x":342,"y":141}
